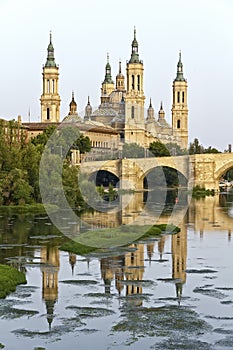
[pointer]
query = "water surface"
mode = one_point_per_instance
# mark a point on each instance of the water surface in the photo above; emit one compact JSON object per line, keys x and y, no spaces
{"x":175,"y":292}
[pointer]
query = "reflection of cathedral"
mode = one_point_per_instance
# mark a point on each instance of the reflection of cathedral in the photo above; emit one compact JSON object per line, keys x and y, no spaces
{"x":127,"y":270}
{"x":49,"y":268}
{"x":122,"y":106}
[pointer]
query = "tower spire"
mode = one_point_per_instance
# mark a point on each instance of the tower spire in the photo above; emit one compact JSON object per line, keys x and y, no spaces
{"x":50,"y":56}
{"x":150,"y":112}
{"x":134,"y":55}
{"x":179,"y":75}
{"x":120,"y":79}
{"x":108,"y":76}
{"x":120,"y":67}
{"x":150,"y":106}
{"x":161,"y":113}
{"x":88,"y":110}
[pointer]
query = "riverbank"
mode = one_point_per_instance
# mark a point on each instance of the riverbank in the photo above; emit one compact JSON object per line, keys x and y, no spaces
{"x":38,"y":208}
{"x":9,"y":279}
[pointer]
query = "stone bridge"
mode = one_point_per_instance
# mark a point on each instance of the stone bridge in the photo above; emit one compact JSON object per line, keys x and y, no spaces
{"x":200,"y":169}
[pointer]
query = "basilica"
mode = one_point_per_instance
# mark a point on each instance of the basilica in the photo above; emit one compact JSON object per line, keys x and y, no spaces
{"x":121,"y":116}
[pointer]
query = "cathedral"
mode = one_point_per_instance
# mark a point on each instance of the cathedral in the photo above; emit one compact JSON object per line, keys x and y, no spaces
{"x":122,"y":110}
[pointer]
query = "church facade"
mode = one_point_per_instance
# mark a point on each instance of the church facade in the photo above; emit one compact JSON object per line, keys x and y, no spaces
{"x":122,"y":104}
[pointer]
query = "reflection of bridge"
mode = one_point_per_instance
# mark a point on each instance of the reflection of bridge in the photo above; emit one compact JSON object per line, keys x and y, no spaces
{"x":204,"y":170}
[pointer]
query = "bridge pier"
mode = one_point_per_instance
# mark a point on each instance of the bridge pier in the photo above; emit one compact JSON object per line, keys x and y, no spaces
{"x":130,"y":175}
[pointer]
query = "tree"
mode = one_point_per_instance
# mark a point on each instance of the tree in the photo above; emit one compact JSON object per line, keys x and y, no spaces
{"x":42,"y":139}
{"x":83,"y":144}
{"x":133,"y":150}
{"x":15,"y":188}
{"x":196,"y":148}
{"x":211,"y":150}
{"x":159,"y":149}
{"x":71,"y":186}
{"x":175,"y":149}
{"x":31,"y":156}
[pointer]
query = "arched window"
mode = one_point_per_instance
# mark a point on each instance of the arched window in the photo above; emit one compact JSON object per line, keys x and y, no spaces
{"x":178,"y":124}
{"x":53,"y":90}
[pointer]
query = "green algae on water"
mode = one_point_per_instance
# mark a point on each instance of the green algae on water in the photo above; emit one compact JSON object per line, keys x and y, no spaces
{"x":9,"y":279}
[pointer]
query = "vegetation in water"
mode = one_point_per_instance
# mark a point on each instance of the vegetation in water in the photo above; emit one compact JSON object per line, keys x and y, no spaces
{"x":9,"y":279}
{"x":113,"y":237}
{"x":162,"y":322}
{"x":201,"y":192}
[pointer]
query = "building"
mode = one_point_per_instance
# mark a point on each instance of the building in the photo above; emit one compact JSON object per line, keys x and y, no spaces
{"x":12,"y":131}
{"x":121,"y":116}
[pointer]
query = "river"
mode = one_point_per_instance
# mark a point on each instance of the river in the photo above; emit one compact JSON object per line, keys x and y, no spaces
{"x":171,"y":292}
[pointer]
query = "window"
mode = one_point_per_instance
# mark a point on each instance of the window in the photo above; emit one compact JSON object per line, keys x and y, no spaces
{"x":182,"y":96}
{"x":178,"y":97}
{"x":138,"y":82}
{"x":132,"y":112}
{"x":132,"y":82}
{"x":53,"y":86}
{"x":48,"y":114}
{"x":178,"y":124}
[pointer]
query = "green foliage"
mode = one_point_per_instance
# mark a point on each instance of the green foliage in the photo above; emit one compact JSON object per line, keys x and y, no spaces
{"x":9,"y":279}
{"x":159,"y":149}
{"x":43,"y":138}
{"x":111,"y":192}
{"x":76,"y":248}
{"x":201,"y":192}
{"x":83,"y":144}
{"x":14,"y":188}
{"x":27,"y":208}
{"x":211,"y":150}
{"x":132,"y":150}
{"x":113,"y":237}
{"x":196,"y":148}
{"x":71,"y":186}
{"x":100,"y":190}
{"x":89,"y":191}
{"x":20,"y":165}
{"x":165,"y":177}
{"x":175,"y":149}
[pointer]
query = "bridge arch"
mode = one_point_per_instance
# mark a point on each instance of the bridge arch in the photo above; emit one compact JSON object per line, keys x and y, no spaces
{"x":164,"y":176}
{"x":223,"y":169}
{"x":104,"y":177}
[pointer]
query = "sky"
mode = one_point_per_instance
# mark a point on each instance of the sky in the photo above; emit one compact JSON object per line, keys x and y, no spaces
{"x":85,"y":31}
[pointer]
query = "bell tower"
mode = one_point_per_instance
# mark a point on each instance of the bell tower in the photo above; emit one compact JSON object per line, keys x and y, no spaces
{"x":134,"y":99}
{"x":180,"y":106}
{"x":50,"y":99}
